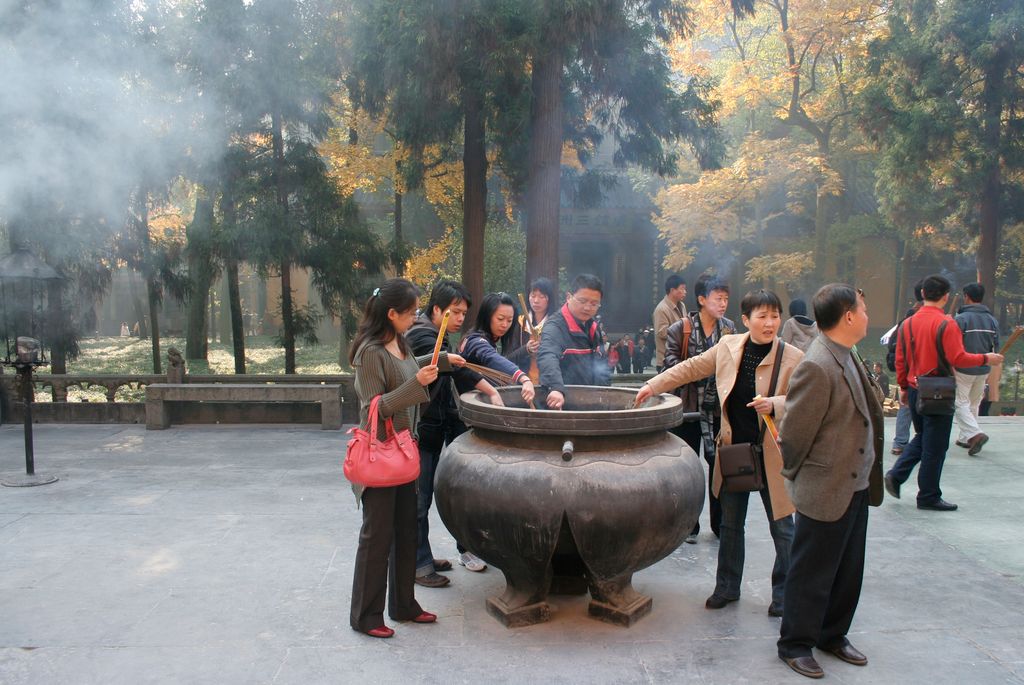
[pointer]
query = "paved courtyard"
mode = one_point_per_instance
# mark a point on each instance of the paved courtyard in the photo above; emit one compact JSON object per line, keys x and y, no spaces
{"x":224,"y":555}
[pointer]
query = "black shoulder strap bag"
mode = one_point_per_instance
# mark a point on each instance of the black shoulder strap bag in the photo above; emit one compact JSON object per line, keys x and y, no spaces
{"x":741,"y":464}
{"x":936,"y":390}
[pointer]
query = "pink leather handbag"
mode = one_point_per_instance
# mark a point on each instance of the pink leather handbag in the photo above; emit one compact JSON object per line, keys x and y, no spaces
{"x":381,"y":464}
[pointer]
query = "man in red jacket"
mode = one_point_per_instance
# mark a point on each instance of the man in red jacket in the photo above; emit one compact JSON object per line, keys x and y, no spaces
{"x":918,"y":355}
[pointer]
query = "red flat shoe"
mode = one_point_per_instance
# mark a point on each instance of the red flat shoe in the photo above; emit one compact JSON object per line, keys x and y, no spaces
{"x":383,"y":631}
{"x":425,"y":617}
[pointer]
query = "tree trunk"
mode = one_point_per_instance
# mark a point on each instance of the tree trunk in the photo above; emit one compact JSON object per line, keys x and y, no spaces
{"x":57,"y":326}
{"x":343,"y":343}
{"x":152,"y":285}
{"x":287,"y":317}
{"x":399,"y":263}
{"x":153,"y":295}
{"x":822,"y":219}
{"x":989,"y":211}
{"x":543,"y":186}
{"x":234,"y":297}
{"x":223,"y":309}
{"x":237,"y":325}
{"x":200,"y":271}
{"x":901,"y":281}
{"x":474,"y":200}
{"x":214,"y":310}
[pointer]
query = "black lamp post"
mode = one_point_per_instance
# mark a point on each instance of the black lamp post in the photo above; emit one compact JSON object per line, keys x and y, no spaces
{"x":23,"y":278}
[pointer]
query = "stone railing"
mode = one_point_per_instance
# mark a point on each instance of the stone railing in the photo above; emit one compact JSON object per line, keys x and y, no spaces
{"x":59,"y":409}
{"x":59,"y":384}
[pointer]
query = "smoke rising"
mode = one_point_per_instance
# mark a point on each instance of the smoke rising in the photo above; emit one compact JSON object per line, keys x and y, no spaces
{"x":91,"y":102}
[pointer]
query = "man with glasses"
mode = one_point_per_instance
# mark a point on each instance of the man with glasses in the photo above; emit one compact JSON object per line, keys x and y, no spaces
{"x":832,"y":441}
{"x":570,"y":351}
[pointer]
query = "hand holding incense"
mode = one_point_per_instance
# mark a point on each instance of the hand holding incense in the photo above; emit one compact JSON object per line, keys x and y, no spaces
{"x":769,"y":422}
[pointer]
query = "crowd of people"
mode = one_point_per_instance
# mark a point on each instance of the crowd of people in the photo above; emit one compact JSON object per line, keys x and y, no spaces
{"x":821,"y":468}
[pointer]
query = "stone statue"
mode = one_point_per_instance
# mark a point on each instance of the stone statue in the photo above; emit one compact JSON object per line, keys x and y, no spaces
{"x":175,"y":366}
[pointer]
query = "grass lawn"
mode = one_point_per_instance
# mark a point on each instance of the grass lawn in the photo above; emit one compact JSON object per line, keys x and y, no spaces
{"x":131,"y":356}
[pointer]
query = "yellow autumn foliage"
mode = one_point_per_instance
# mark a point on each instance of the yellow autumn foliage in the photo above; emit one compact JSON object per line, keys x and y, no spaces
{"x":723,"y":204}
{"x":810,"y":47}
{"x":784,"y":267}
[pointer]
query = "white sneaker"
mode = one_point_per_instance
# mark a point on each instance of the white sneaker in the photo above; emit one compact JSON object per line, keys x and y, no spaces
{"x":472,"y":562}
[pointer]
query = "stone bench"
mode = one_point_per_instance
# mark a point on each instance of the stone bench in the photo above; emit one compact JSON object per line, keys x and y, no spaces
{"x":159,"y":394}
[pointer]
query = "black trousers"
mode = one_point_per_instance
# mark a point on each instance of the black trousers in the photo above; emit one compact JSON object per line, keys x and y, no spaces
{"x":825,"y":575}
{"x":386,"y":555}
{"x":691,"y":435}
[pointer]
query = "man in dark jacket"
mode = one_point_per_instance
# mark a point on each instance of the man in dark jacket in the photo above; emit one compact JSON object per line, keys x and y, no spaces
{"x":439,"y":422}
{"x":981,"y":334}
{"x":570,"y":350}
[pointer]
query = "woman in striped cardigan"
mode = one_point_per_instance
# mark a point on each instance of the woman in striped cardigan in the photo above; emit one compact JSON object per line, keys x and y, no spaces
{"x":384,"y":366}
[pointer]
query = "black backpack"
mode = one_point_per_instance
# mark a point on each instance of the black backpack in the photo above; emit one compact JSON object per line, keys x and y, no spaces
{"x":890,"y":355}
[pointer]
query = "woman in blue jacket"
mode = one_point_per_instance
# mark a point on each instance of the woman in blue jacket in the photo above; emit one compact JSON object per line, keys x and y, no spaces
{"x":493,"y":327}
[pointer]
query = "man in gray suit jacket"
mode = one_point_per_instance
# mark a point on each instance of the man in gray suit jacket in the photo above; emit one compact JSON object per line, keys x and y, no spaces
{"x":832,"y":441}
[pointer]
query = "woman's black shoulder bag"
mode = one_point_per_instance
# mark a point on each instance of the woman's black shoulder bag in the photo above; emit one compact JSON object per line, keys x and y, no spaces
{"x":741,"y":465}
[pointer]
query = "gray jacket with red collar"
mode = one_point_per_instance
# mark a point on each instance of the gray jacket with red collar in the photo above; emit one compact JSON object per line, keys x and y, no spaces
{"x":571,"y":353}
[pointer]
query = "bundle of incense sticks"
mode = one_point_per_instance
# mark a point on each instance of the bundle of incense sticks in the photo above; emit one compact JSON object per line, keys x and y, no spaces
{"x":440,"y":337}
{"x":490,"y":373}
{"x":770,"y":422}
{"x":526,"y":315}
{"x":1017,"y":332}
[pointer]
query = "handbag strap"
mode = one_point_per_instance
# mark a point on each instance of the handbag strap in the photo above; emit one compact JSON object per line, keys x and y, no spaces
{"x":947,"y":370}
{"x":903,"y":341}
{"x":776,"y":367}
{"x":944,"y":365}
{"x":372,"y":417}
{"x":687,"y":329}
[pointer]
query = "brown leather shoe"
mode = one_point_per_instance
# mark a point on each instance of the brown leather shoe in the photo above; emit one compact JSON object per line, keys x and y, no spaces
{"x":433,"y":580}
{"x":718,"y":601}
{"x":849,"y":654}
{"x":891,"y":486}
{"x":805,"y":666}
{"x":975,"y":444}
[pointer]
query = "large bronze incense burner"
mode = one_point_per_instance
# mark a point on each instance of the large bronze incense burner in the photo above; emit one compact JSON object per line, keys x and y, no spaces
{"x":565,"y":501}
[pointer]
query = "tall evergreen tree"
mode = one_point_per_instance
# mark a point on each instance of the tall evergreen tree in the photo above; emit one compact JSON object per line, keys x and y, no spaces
{"x":944,"y":106}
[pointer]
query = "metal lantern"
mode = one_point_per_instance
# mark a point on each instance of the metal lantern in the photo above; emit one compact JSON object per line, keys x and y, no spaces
{"x":23,"y":281}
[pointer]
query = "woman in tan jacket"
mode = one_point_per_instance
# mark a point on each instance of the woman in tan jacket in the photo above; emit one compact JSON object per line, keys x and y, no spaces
{"x":742,"y":366}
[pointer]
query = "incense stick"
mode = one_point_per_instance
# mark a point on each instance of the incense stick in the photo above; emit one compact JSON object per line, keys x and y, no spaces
{"x":491,"y":373}
{"x":440,"y":337}
{"x":1017,"y":332}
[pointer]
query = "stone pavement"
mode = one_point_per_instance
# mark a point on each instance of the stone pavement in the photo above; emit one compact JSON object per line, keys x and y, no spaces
{"x":224,"y":555}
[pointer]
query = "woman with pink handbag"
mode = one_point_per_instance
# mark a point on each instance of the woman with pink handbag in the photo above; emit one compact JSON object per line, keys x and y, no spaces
{"x":385,"y":369}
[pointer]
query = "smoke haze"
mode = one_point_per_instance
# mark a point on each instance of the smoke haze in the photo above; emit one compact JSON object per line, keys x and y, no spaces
{"x":89,"y":96}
